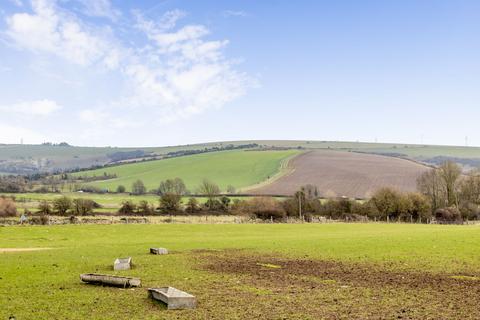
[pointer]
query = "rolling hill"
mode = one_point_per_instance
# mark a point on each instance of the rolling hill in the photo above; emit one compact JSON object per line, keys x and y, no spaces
{"x":340,"y":173}
{"x":237,"y":168}
{"x":24,"y":159}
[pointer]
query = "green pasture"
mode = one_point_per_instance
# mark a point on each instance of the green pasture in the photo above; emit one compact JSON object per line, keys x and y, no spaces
{"x":46,"y":285}
{"x":236,"y":168}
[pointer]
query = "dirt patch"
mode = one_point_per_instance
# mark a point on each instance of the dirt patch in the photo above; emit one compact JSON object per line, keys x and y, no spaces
{"x":338,"y":290}
{"x":339,"y":173}
{"x":7,"y":250}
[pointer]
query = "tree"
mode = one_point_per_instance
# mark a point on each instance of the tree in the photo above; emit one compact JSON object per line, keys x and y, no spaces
{"x":138,"y":188}
{"x":174,"y":186}
{"x":170,"y":203}
{"x":388,"y":203}
{"x":419,"y":206}
{"x":83,"y":207}
{"x":211,"y":191}
{"x":430,"y":184}
{"x":450,"y":172}
{"x":62,"y":205}
{"x":120,"y":189}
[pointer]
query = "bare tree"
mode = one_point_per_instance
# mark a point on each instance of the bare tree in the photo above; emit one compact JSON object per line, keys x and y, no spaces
{"x":450,"y":173}
{"x":430,"y":184}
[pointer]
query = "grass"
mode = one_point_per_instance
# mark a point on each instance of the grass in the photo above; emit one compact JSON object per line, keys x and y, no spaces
{"x":236,"y":168}
{"x":45,"y":284}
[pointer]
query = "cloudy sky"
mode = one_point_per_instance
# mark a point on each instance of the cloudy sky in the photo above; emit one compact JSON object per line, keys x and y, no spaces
{"x":153,"y":73}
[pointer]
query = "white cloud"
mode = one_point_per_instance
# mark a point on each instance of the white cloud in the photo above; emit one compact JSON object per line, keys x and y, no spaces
{"x":100,"y":8}
{"x":15,"y":134}
{"x":177,"y":74}
{"x":35,"y":108}
{"x":52,"y":30}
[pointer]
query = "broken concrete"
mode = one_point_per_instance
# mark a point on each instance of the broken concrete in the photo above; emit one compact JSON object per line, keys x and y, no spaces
{"x":158,"y":251}
{"x":122,"y":264}
{"x":110,"y":280}
{"x":173,"y":298}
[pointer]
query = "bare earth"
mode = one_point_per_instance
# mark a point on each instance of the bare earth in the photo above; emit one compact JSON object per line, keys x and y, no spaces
{"x":350,"y":174}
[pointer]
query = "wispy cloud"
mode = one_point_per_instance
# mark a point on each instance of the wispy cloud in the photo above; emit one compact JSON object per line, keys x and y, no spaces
{"x":234,"y":13}
{"x":34,"y":108}
{"x":18,"y":3}
{"x":174,"y":74}
{"x":100,"y":8}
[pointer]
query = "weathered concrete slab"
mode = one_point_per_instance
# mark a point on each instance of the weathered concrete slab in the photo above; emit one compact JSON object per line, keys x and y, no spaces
{"x":110,"y":280}
{"x":158,"y":251}
{"x":122,"y":264}
{"x":173,"y":298}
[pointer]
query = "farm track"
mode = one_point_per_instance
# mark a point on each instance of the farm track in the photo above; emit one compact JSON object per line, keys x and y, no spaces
{"x":338,"y":173}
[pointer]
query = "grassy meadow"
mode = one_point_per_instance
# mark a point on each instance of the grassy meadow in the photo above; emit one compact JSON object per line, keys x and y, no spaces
{"x":237,"y":168}
{"x":269,"y":271}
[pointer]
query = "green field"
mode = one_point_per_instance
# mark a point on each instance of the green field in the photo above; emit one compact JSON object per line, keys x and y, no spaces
{"x":369,"y":271}
{"x":237,"y":168}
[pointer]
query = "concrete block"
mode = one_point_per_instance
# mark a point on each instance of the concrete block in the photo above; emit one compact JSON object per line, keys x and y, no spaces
{"x":173,"y":298}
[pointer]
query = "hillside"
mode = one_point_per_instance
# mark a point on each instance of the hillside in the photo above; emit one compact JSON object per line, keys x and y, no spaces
{"x":24,"y":159}
{"x":351,"y":174}
{"x":237,"y":168}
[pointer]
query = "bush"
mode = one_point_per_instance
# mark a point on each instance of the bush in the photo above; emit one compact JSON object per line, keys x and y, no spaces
{"x":84,"y":207}
{"x":62,"y":205}
{"x":7,"y":207}
{"x":192,"y":206}
{"x":127,"y":207}
{"x":448,"y":215}
{"x":144,"y":208}
{"x":121,"y":189}
{"x":44,"y":207}
{"x":170,"y":203}
{"x":262,"y":208}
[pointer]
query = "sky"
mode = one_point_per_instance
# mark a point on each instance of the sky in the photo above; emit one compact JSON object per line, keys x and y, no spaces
{"x":157,"y":73}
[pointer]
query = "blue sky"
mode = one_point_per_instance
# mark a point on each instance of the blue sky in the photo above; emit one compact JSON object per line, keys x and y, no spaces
{"x":152,"y":73}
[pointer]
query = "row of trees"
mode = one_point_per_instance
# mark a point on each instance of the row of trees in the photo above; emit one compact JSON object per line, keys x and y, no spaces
{"x":175,"y":186}
{"x":449,"y":190}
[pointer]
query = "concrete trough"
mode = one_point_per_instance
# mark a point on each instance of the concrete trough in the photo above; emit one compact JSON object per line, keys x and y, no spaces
{"x":158,"y":251}
{"x":122,"y":264}
{"x":109,"y":280}
{"x":173,"y":298}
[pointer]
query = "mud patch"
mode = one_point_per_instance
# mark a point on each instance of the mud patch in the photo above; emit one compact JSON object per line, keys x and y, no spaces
{"x":8,"y":250}
{"x":339,"y":290}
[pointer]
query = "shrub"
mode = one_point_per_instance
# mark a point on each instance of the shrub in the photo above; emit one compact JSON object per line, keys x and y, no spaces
{"x":84,"y":207}
{"x":192,"y":206}
{"x":62,"y":205}
{"x":264,"y":208}
{"x":127,"y":207}
{"x":7,"y":207}
{"x":448,"y":215}
{"x":121,"y":189}
{"x":170,"y":203}
{"x":145,"y":208}
{"x":44,"y":207}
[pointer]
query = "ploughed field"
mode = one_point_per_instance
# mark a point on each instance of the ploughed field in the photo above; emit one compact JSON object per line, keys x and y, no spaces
{"x":339,"y":173}
{"x":246,"y":271}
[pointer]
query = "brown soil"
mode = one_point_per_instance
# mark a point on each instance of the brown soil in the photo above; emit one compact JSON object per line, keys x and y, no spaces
{"x":339,"y":173}
{"x":280,"y":288}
